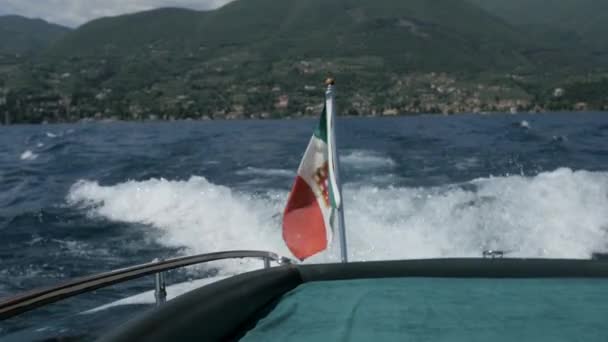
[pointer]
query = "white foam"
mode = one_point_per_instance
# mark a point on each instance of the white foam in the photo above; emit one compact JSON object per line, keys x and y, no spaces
{"x":195,"y":213}
{"x":254,"y":171}
{"x":361,"y":159}
{"x":28,"y":155}
{"x":52,"y":135}
{"x":555,"y":214}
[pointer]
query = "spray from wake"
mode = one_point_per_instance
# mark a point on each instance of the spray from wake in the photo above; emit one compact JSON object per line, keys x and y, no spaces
{"x":559,"y":214}
{"x":195,"y":213}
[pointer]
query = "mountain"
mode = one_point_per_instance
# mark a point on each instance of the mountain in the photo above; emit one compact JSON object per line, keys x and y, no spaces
{"x":266,"y":58}
{"x":571,"y":22}
{"x":23,"y":35}
{"x":404,"y":34}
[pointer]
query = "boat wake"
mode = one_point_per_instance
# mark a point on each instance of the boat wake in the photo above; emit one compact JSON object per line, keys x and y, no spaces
{"x":558,"y":214}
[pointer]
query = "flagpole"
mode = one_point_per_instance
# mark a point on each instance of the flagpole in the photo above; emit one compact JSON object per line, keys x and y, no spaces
{"x":331,"y":114}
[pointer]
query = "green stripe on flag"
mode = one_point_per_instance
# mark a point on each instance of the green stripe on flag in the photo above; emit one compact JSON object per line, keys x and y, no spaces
{"x":321,"y":130}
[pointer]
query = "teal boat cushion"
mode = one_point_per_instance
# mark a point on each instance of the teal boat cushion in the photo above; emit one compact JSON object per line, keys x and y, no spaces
{"x":439,"y":309}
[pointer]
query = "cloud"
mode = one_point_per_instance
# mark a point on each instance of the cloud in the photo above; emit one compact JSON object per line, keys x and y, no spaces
{"x":76,"y":12}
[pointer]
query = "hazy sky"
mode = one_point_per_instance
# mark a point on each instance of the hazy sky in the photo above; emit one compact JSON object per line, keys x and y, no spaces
{"x":76,"y":12}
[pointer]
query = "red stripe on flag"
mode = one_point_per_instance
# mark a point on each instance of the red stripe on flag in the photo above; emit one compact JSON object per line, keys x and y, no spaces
{"x":303,"y":224}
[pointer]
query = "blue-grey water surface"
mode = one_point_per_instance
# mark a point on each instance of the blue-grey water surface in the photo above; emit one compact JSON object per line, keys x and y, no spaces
{"x":84,"y":198}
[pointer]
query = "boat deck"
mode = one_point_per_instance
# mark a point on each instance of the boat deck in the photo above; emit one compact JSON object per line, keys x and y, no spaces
{"x":439,"y":309}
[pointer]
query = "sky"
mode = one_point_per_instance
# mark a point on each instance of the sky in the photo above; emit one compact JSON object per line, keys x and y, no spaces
{"x":76,"y":12}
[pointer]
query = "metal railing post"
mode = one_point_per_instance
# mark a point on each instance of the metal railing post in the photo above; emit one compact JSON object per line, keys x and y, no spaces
{"x":160,"y":291}
{"x":266,"y":262}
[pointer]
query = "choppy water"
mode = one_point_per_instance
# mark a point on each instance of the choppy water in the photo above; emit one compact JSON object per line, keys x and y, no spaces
{"x":80,"y":199}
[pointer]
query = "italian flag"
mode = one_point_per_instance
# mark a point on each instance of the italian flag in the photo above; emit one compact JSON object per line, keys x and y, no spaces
{"x":315,"y":196}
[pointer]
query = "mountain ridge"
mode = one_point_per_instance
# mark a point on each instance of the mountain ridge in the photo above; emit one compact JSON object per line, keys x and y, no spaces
{"x":262,"y":58}
{"x":310,"y":29}
{"x":24,"y":35}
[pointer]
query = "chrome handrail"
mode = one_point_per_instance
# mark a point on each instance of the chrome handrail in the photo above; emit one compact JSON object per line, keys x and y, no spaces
{"x":28,"y":301}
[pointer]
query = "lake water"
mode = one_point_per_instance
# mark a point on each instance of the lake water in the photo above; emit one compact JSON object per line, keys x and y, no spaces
{"x":85,"y":198}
